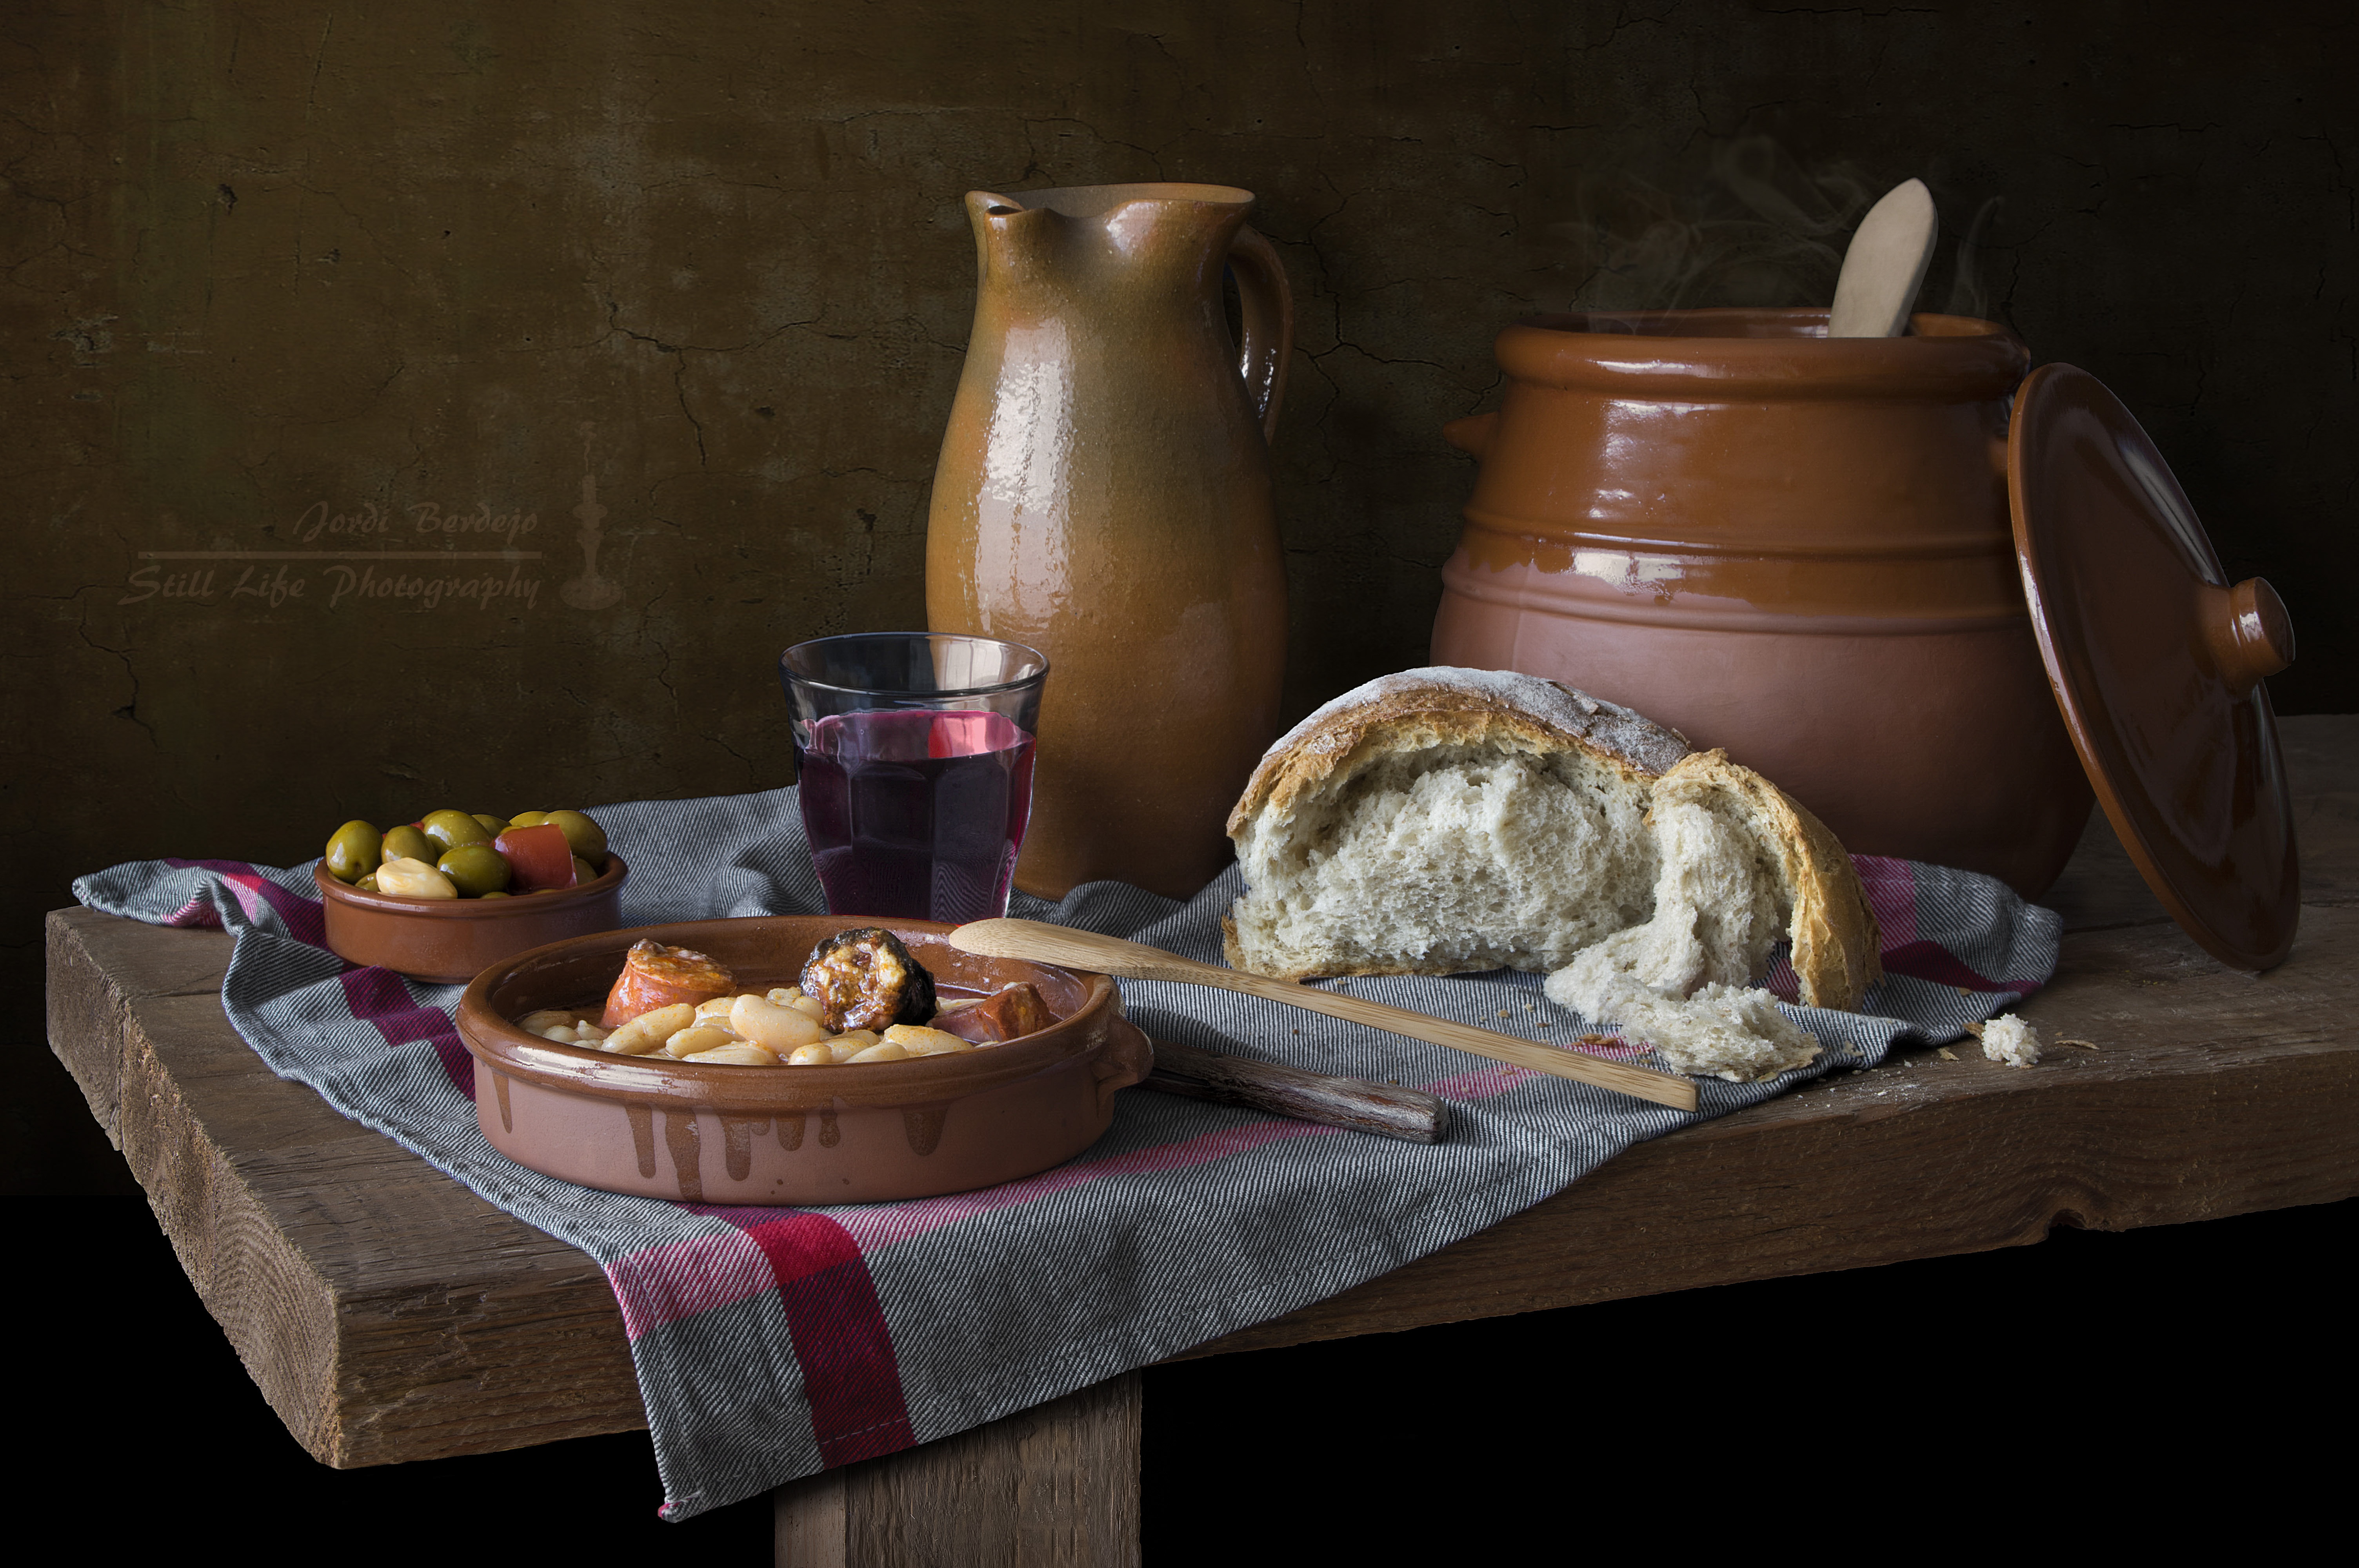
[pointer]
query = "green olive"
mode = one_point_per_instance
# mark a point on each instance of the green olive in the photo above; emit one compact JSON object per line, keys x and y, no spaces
{"x":583,"y":872}
{"x":451,"y":828}
{"x":354,"y":851}
{"x":495,"y":893}
{"x":406,"y":843}
{"x":527,"y":819}
{"x":585,"y":837}
{"x":367,"y":883}
{"x":492,"y":825}
{"x":475,"y":870}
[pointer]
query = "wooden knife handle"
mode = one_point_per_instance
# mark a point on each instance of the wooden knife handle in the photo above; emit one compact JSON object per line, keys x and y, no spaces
{"x":1383,"y":1108}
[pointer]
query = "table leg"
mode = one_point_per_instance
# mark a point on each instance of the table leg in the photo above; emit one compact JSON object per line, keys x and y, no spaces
{"x":1054,"y":1486}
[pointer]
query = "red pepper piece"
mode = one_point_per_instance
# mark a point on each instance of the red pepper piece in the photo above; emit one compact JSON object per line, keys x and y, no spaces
{"x":539,"y":857}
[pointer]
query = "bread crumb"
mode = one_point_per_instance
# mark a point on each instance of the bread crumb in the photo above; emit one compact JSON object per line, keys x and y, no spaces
{"x":1946,"y":1053}
{"x":2011,"y":1041}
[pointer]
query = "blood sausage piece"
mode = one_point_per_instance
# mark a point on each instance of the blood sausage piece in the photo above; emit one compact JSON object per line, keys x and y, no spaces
{"x":866,"y":979}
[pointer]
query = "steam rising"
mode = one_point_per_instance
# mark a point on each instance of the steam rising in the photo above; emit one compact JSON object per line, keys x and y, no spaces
{"x":1743,"y":223}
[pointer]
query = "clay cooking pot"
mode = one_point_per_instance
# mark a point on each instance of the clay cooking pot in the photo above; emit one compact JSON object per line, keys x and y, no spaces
{"x":1794,"y":547}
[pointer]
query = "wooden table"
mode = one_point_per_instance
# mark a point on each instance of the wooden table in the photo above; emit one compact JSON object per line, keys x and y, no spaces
{"x":388,"y":1313}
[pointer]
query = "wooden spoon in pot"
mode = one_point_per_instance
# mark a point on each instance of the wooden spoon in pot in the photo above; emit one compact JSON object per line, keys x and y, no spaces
{"x":1885,"y":264}
{"x":1072,"y":950}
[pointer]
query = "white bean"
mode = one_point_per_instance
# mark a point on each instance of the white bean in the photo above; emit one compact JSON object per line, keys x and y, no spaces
{"x":883,"y":1051}
{"x":737,"y":1053}
{"x":918,"y":1041}
{"x":649,"y":1030}
{"x":765,"y":1022}
{"x":851,"y":1042}
{"x":689,"y":1041}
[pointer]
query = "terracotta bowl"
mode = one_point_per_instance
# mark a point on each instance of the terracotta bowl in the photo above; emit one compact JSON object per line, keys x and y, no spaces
{"x":879,"y":1130}
{"x":451,"y":939}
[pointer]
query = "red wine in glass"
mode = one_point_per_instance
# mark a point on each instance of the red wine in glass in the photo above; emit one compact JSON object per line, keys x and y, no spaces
{"x":914,"y":814}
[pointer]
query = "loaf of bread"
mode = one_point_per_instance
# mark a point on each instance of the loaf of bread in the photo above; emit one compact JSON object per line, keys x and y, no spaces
{"x":1441,"y":821}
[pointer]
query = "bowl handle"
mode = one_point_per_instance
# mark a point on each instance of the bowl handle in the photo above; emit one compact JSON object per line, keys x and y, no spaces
{"x":1129,"y":1056}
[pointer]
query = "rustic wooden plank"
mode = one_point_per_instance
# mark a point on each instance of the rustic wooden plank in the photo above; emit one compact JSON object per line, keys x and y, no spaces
{"x":1056,"y":1486}
{"x":388,"y":1314}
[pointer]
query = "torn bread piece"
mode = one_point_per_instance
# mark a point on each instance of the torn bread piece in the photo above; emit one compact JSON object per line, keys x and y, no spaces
{"x":1734,"y":1033}
{"x":1744,"y":867}
{"x":1442,"y":820}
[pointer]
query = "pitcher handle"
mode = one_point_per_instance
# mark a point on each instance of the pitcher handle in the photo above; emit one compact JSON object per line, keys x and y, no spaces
{"x":1267,"y":305}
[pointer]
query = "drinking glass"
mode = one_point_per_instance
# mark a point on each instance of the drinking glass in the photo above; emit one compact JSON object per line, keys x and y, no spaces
{"x":914,"y":753}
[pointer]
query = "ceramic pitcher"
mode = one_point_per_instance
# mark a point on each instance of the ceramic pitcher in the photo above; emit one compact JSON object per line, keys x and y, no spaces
{"x":1795,"y":548}
{"x":1103,"y":495}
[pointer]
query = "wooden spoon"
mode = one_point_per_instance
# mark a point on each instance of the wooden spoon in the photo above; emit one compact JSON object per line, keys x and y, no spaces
{"x":1072,"y":950}
{"x":1885,"y":264}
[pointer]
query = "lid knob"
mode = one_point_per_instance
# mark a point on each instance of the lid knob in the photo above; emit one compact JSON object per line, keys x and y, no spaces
{"x":2250,"y":633}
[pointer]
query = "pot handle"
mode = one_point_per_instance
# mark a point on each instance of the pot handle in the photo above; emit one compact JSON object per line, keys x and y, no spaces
{"x":1474,"y":433}
{"x":2250,"y":633}
{"x":1129,"y":1058}
{"x":1267,"y":306}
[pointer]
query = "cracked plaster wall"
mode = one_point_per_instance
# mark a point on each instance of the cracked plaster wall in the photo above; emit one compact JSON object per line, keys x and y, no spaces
{"x":286,"y":276}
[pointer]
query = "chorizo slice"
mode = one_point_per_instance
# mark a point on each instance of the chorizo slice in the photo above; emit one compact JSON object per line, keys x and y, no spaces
{"x":658,"y":975}
{"x":1009,"y":1014}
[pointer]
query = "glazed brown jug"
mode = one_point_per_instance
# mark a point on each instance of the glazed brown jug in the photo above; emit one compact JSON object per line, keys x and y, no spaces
{"x":1794,"y":547}
{"x":1104,"y":496}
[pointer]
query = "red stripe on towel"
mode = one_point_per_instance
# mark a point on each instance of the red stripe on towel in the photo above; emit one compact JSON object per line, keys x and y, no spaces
{"x":1891,"y":889}
{"x":377,"y":997}
{"x":1931,"y":961}
{"x":304,"y":920}
{"x":850,"y":1374}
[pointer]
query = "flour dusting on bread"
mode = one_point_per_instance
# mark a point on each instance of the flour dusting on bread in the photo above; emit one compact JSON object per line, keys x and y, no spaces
{"x":1440,"y":821}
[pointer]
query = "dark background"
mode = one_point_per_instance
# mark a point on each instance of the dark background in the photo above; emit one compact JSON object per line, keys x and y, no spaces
{"x":274,"y":263}
{"x":2090,"y":1396}
{"x":269,"y":265}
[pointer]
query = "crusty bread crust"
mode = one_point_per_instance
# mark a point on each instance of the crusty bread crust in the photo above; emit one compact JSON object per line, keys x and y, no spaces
{"x":1835,"y":953}
{"x":1417,"y":708}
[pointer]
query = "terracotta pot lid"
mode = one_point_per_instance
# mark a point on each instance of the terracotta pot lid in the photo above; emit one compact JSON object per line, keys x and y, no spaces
{"x":2157,"y":663}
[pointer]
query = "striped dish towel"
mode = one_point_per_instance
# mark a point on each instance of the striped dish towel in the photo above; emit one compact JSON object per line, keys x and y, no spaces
{"x":773,"y":1343}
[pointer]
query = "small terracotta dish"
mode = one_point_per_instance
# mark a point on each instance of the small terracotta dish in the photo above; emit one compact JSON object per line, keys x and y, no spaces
{"x":451,"y":939}
{"x":854,"y":1133}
